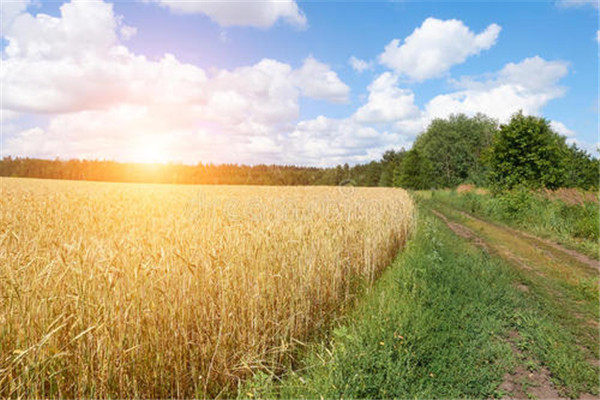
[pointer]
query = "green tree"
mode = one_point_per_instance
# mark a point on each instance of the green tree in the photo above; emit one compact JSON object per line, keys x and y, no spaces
{"x":454,"y":147}
{"x":582,"y":170}
{"x":527,"y":153}
{"x":415,"y":172}
{"x":390,"y":162}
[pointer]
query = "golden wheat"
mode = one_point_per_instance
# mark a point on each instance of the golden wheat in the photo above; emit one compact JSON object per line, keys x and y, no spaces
{"x":131,"y":290}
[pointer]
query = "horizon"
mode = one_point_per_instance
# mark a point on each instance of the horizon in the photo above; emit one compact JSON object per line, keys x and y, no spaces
{"x":303,"y":84}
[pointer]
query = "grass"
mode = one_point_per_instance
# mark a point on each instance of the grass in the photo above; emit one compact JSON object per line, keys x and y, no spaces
{"x":574,"y":224}
{"x":161,"y":291}
{"x":568,"y":289}
{"x":438,"y":324}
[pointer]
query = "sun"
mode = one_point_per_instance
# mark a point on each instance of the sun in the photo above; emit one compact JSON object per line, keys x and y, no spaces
{"x":151,"y":152}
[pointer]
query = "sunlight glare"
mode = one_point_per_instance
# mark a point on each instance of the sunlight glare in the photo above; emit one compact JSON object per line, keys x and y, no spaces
{"x":151,"y":152}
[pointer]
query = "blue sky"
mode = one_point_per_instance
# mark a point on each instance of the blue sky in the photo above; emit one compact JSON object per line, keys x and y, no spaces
{"x":93,"y":79}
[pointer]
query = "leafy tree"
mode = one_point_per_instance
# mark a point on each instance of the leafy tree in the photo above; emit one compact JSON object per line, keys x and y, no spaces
{"x":527,"y":153}
{"x":415,"y":172}
{"x":582,"y":170}
{"x":454,"y":147}
{"x":373,"y":173}
{"x":390,"y":161}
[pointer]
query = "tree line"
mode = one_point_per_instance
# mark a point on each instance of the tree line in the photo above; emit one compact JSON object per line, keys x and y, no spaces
{"x":459,"y":149}
{"x":524,"y":153}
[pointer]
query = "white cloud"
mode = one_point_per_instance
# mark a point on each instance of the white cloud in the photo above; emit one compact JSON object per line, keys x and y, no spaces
{"x":95,"y":82}
{"x":318,"y":81}
{"x":84,"y":29}
{"x":561,"y":128}
{"x":9,"y":12}
{"x":598,"y":36}
{"x":387,"y":102}
{"x":102,"y":100}
{"x":359,"y":65}
{"x":141,"y":133}
{"x":127,"y":32}
{"x":390,"y":118}
{"x":528,"y":86}
{"x":224,"y":37}
{"x":105,"y":101}
{"x":75,"y":62}
{"x":260,"y":14}
{"x":432,"y":49}
{"x":590,"y":147}
{"x":326,"y":141}
{"x":534,"y":73}
{"x":263,"y":93}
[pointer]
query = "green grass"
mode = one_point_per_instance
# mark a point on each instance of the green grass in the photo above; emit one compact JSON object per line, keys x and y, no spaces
{"x":567,"y":292}
{"x":436,"y":325}
{"x":576,"y":226}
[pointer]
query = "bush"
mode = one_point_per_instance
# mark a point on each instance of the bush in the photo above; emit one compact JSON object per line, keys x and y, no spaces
{"x":515,"y":204}
{"x":527,"y":153}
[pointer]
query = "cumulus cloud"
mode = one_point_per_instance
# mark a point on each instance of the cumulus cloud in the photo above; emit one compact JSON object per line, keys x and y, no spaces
{"x":9,"y":12}
{"x":390,"y":117}
{"x":433,"y":48}
{"x":318,"y":81}
{"x":387,"y":102}
{"x":561,"y":128}
{"x":262,"y":14}
{"x":359,"y":65}
{"x":528,"y":86}
{"x":262,"y":93}
{"x":105,"y":101}
{"x":127,"y":32}
{"x":328,"y":141}
{"x":137,"y":133}
{"x":84,"y":28}
{"x":101,"y":100}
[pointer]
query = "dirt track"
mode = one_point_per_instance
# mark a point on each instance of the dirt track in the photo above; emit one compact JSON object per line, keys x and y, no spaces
{"x":549,"y":265}
{"x":519,"y":247}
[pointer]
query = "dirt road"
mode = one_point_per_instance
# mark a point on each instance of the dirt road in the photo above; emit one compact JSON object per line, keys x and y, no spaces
{"x":564,"y":281}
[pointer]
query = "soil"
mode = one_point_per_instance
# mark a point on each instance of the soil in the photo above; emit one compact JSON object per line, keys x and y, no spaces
{"x":523,"y":383}
{"x":462,"y":231}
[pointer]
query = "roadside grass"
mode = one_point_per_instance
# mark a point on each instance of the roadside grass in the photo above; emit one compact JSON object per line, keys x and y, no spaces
{"x":436,"y":325}
{"x":567,"y":291}
{"x":574,"y":225}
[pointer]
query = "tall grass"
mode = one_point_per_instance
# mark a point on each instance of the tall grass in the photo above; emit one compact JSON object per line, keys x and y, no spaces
{"x":155,"y":291}
{"x":574,"y":221}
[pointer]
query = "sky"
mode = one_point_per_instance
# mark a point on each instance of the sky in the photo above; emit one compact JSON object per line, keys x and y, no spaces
{"x":305,"y":83}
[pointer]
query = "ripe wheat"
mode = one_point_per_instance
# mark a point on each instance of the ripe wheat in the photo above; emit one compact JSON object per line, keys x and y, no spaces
{"x":131,"y":290}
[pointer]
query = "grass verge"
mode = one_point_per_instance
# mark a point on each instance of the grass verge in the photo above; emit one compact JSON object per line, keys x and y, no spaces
{"x":574,"y":225}
{"x":436,"y":325}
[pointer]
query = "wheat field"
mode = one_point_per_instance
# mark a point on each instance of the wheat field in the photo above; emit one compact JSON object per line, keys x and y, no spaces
{"x":155,"y":291}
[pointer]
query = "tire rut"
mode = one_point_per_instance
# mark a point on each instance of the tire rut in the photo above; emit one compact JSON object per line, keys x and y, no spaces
{"x":581,"y":258}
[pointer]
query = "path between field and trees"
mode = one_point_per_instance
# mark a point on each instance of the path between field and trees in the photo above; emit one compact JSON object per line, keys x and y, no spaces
{"x":538,"y":258}
{"x":469,"y":309}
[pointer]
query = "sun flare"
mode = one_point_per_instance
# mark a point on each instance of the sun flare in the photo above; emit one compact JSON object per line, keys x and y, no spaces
{"x":151,"y":152}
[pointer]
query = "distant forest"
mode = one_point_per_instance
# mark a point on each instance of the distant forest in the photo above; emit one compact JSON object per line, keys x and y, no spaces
{"x":459,"y":149}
